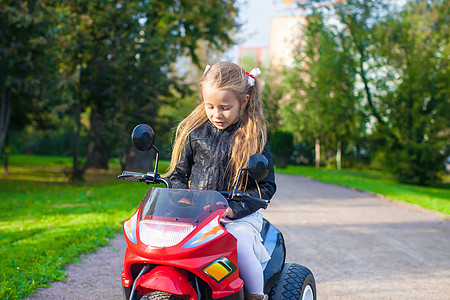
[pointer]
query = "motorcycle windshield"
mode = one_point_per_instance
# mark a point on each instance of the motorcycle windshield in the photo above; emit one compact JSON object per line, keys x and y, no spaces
{"x":169,"y":215}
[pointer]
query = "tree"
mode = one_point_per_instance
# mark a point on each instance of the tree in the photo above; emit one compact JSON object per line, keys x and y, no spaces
{"x":110,"y":60}
{"x":415,"y":46}
{"x":126,"y":53}
{"x":323,"y":105}
{"x":391,"y":70}
{"x":402,"y":70}
{"x":26,"y":68}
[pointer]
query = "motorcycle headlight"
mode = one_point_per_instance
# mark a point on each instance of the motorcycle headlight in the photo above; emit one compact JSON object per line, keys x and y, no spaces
{"x":163,"y":234}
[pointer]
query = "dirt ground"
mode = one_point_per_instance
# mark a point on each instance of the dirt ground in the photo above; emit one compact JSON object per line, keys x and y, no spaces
{"x":358,"y":246}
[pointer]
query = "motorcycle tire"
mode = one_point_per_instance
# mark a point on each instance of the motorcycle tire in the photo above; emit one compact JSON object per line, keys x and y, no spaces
{"x":296,"y":282}
{"x":158,"y":295}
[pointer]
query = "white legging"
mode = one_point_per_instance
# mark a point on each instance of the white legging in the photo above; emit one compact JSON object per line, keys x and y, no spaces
{"x":250,"y":269}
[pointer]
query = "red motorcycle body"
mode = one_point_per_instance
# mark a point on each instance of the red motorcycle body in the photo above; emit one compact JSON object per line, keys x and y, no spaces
{"x":186,"y":249}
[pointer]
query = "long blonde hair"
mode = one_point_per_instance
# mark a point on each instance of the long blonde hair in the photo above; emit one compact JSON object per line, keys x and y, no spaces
{"x":249,"y":138}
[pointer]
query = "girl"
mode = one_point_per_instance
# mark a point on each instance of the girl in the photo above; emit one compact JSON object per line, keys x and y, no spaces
{"x":213,"y":143}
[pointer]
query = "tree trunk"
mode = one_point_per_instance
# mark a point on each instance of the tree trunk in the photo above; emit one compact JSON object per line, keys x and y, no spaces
{"x":5,"y":156}
{"x":317,"y":153}
{"x":98,"y":152}
{"x":5,"y":114}
{"x":123,"y":158}
{"x":96,"y":158}
{"x":338,"y":156}
{"x":139,"y":160}
{"x":76,"y":153}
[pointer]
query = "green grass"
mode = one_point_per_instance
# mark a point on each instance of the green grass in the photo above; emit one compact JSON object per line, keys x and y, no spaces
{"x":437,"y":199}
{"x":48,"y":161}
{"x":46,"y":223}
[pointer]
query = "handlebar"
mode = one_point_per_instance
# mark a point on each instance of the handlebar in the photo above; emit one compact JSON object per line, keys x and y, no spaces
{"x":152,"y":177}
{"x":148,"y":178}
{"x":236,"y":195}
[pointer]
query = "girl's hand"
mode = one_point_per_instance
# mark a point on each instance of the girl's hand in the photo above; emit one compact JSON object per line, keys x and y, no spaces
{"x":231,"y":214}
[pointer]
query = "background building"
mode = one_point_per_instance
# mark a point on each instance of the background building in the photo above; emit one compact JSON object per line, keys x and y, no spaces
{"x":284,"y":38}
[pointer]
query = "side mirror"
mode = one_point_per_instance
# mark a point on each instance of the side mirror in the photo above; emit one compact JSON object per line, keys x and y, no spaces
{"x":143,"y":137}
{"x":258,"y":166}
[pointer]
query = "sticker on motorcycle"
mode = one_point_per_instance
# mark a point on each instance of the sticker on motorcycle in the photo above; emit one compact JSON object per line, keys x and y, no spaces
{"x":129,"y":227}
{"x":208,"y":233}
{"x":220,"y":269}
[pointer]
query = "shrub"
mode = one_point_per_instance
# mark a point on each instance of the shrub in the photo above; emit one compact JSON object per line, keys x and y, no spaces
{"x":416,"y":163}
{"x":282,"y":147}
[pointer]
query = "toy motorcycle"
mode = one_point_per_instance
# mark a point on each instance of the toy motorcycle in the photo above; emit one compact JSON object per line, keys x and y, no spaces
{"x":177,"y":247}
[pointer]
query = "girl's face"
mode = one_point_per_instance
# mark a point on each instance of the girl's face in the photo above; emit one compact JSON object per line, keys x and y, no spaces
{"x":221,"y":106}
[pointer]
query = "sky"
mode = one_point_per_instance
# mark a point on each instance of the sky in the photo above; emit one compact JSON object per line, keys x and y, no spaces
{"x":256,"y":15}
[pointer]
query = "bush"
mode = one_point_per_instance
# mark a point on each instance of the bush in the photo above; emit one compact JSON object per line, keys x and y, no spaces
{"x":59,"y":140}
{"x":282,"y":147}
{"x":303,"y":154}
{"x":416,"y":163}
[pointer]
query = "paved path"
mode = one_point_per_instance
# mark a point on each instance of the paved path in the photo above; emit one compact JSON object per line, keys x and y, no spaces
{"x":357,"y":245}
{"x":360,"y":246}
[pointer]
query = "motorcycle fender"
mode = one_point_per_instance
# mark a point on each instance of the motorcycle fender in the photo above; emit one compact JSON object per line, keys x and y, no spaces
{"x":166,"y":279}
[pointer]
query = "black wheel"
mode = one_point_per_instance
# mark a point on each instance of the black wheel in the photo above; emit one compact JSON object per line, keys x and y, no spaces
{"x":157,"y":295}
{"x":296,"y":282}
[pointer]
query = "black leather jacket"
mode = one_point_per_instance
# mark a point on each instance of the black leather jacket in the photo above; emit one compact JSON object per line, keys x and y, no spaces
{"x":203,"y":163}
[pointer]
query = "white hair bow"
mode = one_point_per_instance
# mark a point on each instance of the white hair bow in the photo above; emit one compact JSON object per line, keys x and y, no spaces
{"x":251,"y":76}
{"x":206,"y":69}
